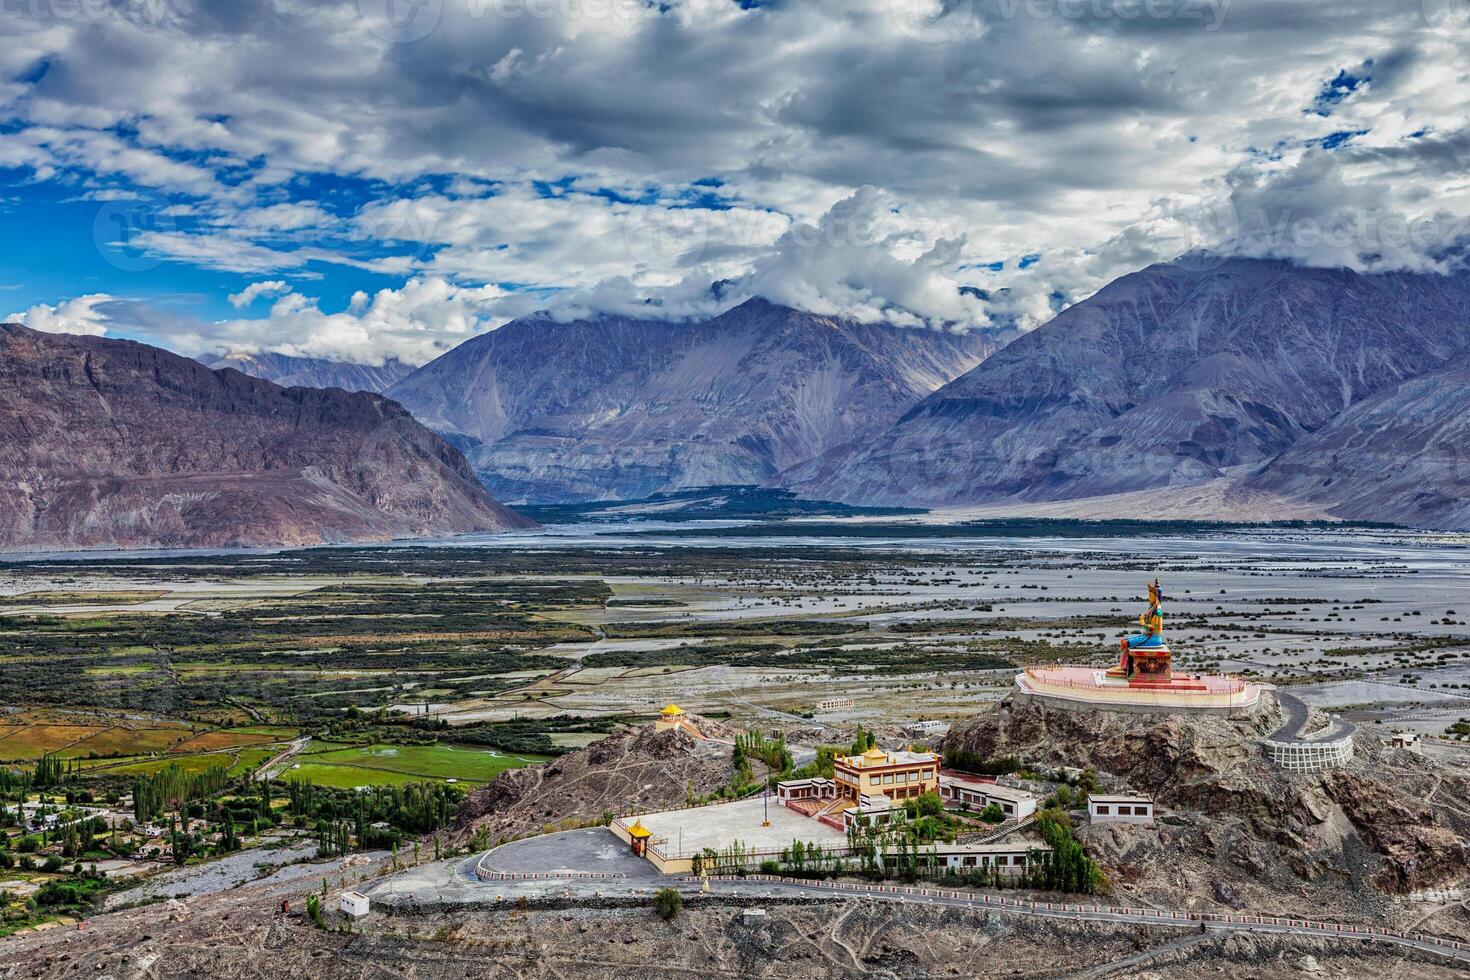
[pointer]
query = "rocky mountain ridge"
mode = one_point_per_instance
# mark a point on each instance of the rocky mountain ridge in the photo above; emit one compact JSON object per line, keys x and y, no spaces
{"x":312,"y":372}
{"x":1404,"y":452}
{"x":635,"y":767}
{"x":1173,"y":376}
{"x":619,"y":408}
{"x":115,"y":444}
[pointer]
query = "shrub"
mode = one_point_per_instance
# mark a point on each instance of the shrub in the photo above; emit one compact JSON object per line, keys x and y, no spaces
{"x":667,"y":902}
{"x":55,"y":893}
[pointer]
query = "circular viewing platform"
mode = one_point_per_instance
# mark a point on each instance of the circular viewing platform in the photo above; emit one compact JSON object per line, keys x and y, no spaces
{"x":1091,"y":687}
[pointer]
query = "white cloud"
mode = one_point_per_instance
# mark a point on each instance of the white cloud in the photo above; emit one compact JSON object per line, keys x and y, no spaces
{"x":414,"y":324}
{"x":596,"y":155}
{"x":254,"y":291}
{"x":79,"y":316}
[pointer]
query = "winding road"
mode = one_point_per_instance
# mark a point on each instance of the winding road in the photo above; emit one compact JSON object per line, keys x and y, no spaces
{"x":1297,"y":716}
{"x":593,"y":865}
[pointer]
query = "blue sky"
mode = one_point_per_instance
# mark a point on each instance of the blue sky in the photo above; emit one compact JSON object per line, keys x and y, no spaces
{"x":317,"y":178}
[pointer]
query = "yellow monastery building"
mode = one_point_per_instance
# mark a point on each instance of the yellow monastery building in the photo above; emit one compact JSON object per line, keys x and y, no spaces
{"x":896,"y":775}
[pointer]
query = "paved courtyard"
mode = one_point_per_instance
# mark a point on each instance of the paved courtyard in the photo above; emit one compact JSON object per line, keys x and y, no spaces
{"x":691,"y":831}
{"x":571,"y":851}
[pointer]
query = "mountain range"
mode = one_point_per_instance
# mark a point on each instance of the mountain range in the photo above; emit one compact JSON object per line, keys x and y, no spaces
{"x":1324,"y":385}
{"x":312,"y":372}
{"x":619,"y":408}
{"x":115,"y":444}
{"x":1182,"y":389}
{"x":1331,"y":391}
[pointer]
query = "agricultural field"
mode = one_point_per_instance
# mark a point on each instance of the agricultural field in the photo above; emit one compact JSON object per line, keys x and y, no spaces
{"x":543,"y":647}
{"x":398,"y":764}
{"x":33,"y":741}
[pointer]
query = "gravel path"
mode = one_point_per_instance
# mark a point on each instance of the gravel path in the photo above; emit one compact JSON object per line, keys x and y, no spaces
{"x":256,"y":866}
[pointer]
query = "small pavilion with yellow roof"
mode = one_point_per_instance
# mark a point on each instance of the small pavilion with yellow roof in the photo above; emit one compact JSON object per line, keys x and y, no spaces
{"x":672,"y":716}
{"x":639,"y":834}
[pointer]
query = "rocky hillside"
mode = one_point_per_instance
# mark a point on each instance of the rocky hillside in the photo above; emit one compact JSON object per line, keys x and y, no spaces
{"x":1403,"y":452}
{"x":115,"y":444}
{"x":652,"y":770}
{"x":1172,"y":375}
{"x":615,"y":408}
{"x":312,"y":372}
{"x":609,"y":940}
{"x":1362,"y":832}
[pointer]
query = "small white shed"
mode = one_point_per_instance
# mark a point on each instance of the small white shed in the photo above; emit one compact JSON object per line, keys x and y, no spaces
{"x":354,"y":904}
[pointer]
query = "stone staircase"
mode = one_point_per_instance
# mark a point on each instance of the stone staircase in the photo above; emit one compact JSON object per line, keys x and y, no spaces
{"x":991,"y":836}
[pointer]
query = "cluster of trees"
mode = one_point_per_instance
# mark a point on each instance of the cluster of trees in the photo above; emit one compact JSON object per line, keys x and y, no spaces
{"x":172,"y":787}
{"x":771,"y":751}
{"x":864,"y":741}
{"x":344,"y":818}
{"x":733,"y":858}
{"x":1065,"y":867}
{"x":51,"y":771}
{"x":807,"y":860}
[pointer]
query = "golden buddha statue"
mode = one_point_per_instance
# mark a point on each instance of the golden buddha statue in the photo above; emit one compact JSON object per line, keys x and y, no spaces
{"x":1146,"y":653}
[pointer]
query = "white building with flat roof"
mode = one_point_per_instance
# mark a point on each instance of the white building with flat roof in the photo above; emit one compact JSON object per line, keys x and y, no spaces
{"x":1123,"y":808}
{"x":834,"y":704}
{"x":354,"y":904}
{"x":1012,"y":858}
{"x":976,"y":794}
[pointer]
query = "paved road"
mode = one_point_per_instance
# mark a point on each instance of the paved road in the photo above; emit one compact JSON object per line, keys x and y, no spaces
{"x":276,"y":763}
{"x":454,"y":881}
{"x":1296,"y":719}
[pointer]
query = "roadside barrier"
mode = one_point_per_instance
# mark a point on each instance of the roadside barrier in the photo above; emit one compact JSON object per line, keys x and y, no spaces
{"x":487,"y":874}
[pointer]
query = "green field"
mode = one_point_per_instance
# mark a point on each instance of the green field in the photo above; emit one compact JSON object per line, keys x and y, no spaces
{"x":239,"y":761}
{"x":348,"y":777}
{"x":397,"y":764}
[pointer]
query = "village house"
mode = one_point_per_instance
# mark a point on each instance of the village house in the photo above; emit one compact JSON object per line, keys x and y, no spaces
{"x":1120,"y":809}
{"x":958,"y":790}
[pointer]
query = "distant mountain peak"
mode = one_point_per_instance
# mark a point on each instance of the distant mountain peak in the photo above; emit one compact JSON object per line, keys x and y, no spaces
{"x":621,"y":408}
{"x":292,"y":371}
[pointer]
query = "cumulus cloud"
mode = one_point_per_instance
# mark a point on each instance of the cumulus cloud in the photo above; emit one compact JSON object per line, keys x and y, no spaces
{"x":623,"y":157}
{"x":413,"y":324}
{"x":84,"y":315}
{"x":254,"y":291}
